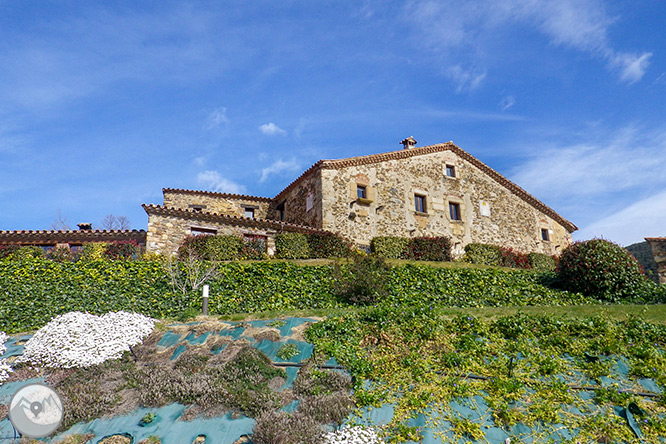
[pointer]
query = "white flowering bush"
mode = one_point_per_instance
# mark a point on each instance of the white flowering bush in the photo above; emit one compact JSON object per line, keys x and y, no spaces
{"x":5,"y":369}
{"x":79,"y":339}
{"x":352,"y":435}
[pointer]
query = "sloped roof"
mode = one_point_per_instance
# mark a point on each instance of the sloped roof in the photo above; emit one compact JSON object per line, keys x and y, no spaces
{"x":228,"y":220}
{"x":216,"y":194}
{"x":47,"y":237}
{"x":419,"y":151}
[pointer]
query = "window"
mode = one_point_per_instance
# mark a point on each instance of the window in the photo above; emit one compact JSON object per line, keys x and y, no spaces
{"x":454,"y":211}
{"x":420,"y":203}
{"x":197,"y":231}
{"x":450,"y":171}
{"x":545,"y":234}
{"x":280,"y":210}
{"x":249,"y":213}
{"x":361,"y":192}
{"x":197,"y":208}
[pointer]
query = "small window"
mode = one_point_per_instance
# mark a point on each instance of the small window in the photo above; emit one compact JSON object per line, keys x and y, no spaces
{"x":280,"y":211}
{"x":450,"y":171}
{"x":198,"y":231}
{"x":197,"y":208}
{"x":361,"y":192}
{"x":420,"y":204}
{"x":545,"y":234}
{"x":249,"y":213}
{"x":454,"y":211}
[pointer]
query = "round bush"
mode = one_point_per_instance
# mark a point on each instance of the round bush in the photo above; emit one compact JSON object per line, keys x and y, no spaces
{"x":603,"y":269}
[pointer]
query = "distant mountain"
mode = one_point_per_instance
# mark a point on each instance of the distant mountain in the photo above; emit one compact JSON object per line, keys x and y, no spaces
{"x":643,"y":254}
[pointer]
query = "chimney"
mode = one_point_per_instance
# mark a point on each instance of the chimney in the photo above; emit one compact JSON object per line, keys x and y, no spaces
{"x":409,"y":142}
{"x":85,"y":226}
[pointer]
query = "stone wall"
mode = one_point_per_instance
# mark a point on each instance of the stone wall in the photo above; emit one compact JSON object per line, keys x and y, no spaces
{"x":166,"y":233}
{"x":490,"y":213}
{"x":303,"y":202}
{"x":658,"y":246}
{"x":221,"y":203}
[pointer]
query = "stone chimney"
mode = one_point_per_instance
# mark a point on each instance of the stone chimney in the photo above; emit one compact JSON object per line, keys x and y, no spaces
{"x":409,"y":142}
{"x":86,"y":226}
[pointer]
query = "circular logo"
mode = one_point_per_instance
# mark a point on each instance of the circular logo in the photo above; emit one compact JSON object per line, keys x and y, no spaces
{"x":35,"y":410}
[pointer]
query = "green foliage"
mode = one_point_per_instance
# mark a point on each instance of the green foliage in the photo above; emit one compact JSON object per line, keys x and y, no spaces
{"x":94,"y":251}
{"x":364,"y":281}
{"x":26,"y":252}
{"x":223,"y":247}
{"x":541,"y":262}
{"x":122,"y":250}
{"x":291,"y":246}
{"x":328,"y":245}
{"x":429,"y":249}
{"x":6,"y":251}
{"x":390,"y":247}
{"x":603,"y":269}
{"x":483,"y":254}
{"x":287,"y":351}
{"x":61,"y":254}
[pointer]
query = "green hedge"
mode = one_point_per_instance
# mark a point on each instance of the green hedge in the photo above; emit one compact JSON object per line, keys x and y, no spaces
{"x":35,"y":290}
{"x":291,"y":246}
{"x":542,"y":262}
{"x":390,"y":247}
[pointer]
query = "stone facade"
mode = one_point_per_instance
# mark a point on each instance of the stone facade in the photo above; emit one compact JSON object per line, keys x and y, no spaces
{"x":437,"y":190}
{"x":658,"y":246}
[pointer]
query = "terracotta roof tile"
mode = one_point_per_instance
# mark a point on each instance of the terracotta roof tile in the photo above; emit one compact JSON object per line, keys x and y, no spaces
{"x":228,"y":220}
{"x":45,"y":237}
{"x":216,"y":194}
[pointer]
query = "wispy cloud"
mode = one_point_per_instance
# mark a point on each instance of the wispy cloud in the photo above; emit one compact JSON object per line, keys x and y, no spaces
{"x":217,"y":117}
{"x":466,"y":79}
{"x":279,"y":167}
{"x":506,"y":103}
{"x":471,"y":27}
{"x":271,"y":129}
{"x":213,"y":181}
{"x":625,"y":228}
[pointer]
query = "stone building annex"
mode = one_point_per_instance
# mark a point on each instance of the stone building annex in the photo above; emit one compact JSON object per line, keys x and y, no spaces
{"x":436,"y":190}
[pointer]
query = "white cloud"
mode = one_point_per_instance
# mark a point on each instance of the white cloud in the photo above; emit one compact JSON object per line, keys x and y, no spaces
{"x":199,"y":161}
{"x":624,"y":161}
{"x":217,"y":117}
{"x":271,"y":129}
{"x":466,"y":80}
{"x":632,"y":67}
{"x":506,"y":103}
{"x":279,"y":167}
{"x":213,"y":181}
{"x":644,"y":218}
{"x":472,"y":26}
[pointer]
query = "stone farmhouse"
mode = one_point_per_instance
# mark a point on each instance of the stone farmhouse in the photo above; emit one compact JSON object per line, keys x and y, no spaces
{"x":436,"y":190}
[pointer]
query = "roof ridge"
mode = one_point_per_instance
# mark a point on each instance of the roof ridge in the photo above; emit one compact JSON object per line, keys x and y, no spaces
{"x":216,"y":193}
{"x":247,"y":221}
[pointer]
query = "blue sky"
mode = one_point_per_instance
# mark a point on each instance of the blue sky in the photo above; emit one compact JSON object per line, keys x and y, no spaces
{"x":102,"y":104}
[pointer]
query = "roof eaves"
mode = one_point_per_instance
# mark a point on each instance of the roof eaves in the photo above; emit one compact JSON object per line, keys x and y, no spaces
{"x":216,"y":194}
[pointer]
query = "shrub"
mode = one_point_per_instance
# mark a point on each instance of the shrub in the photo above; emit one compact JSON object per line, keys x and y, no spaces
{"x":291,"y":246}
{"x":390,"y":247}
{"x":513,"y":259}
{"x":94,"y":251}
{"x":223,"y":247}
{"x":365,"y":280}
{"x":61,"y":254}
{"x":541,"y":262}
{"x":277,"y":427}
{"x":26,"y":252}
{"x":128,"y":249}
{"x":483,"y":254}
{"x":326,"y":245}
{"x":429,"y":248}
{"x":601,"y":268}
{"x":193,"y":246}
{"x":253,"y":248}
{"x":6,"y":251}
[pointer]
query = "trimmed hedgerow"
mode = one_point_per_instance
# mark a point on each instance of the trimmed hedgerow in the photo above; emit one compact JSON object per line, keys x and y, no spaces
{"x":328,"y":245}
{"x":364,"y":281}
{"x":483,"y":254}
{"x":541,"y":262}
{"x":93,"y":251}
{"x":291,"y":246}
{"x":513,"y":259}
{"x":390,"y":247}
{"x":429,"y":249}
{"x":213,"y":248}
{"x":603,"y":269}
{"x":128,"y":249}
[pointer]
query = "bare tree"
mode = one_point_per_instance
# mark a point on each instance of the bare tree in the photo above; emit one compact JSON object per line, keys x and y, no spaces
{"x":190,"y":272}
{"x":60,"y":222}
{"x":111,"y":222}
